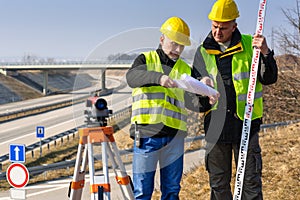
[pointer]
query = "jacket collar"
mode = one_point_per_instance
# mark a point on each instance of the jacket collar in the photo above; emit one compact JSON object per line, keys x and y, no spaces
{"x":212,"y":47}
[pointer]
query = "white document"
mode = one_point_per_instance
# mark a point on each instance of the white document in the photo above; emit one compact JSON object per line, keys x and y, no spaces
{"x":191,"y":84}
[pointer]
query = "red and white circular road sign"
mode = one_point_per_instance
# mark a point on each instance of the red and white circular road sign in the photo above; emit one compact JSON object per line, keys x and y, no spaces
{"x":17,"y":175}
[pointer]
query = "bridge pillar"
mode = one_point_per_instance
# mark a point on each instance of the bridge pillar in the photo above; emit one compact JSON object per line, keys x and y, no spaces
{"x":103,"y":77}
{"x":45,"y":86}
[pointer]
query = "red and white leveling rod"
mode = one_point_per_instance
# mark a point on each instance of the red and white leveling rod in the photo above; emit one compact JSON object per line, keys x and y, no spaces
{"x":249,"y":107}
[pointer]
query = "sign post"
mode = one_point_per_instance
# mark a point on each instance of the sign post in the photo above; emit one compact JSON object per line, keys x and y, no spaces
{"x":16,"y":193}
{"x":40,"y":133}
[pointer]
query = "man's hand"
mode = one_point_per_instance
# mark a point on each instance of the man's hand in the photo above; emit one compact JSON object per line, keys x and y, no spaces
{"x":260,"y":42}
{"x":209,"y":82}
{"x":167,"y":82}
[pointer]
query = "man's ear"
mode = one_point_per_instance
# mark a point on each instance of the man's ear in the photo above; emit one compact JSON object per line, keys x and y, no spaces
{"x":234,"y":27}
{"x":161,"y":39}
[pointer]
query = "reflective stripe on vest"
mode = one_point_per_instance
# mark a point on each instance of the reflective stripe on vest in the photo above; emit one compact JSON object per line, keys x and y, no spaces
{"x":157,"y":104}
{"x":158,"y":96}
{"x":241,"y":63}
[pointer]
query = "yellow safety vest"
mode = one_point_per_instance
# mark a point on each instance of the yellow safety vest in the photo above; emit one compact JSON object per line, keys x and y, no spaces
{"x":241,"y":64}
{"x":157,"y":104}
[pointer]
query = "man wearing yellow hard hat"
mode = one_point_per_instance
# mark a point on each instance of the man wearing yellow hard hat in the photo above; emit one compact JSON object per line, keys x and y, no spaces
{"x":158,"y":122}
{"x":226,"y":55}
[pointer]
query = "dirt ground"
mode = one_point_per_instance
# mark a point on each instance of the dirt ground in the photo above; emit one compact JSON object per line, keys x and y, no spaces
{"x":281,"y":168}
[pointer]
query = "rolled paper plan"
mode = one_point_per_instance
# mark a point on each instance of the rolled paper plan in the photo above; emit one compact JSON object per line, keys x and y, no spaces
{"x":192,"y":85}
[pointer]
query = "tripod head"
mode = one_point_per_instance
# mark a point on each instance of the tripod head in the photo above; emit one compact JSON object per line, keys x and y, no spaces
{"x":96,"y":112}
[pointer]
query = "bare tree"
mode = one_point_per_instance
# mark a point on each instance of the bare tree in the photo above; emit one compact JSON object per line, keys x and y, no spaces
{"x":285,"y":94}
{"x":288,"y":41}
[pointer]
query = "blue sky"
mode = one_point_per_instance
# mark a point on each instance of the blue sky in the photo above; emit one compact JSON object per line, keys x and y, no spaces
{"x":73,"y":28}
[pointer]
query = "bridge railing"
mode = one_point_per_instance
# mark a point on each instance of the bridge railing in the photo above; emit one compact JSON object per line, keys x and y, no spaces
{"x":64,"y":62}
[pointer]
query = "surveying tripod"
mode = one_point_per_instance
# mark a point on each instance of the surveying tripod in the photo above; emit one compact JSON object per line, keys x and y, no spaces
{"x":99,"y":184}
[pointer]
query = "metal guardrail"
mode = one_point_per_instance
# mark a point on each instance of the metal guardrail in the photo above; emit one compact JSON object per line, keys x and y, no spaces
{"x":117,"y":114}
{"x":42,"y":142}
{"x":43,"y":108}
{"x":34,"y":110}
{"x":70,"y":163}
{"x":265,"y":126}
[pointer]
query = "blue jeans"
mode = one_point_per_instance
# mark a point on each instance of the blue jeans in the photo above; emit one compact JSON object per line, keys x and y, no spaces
{"x":168,"y":151}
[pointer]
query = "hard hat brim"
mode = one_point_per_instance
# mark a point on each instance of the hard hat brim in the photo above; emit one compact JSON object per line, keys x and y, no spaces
{"x":177,"y":37}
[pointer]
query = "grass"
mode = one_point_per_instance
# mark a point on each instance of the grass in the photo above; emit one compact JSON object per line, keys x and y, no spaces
{"x":281,"y":168}
{"x":280,"y":151}
{"x":56,"y":153}
{"x":67,"y":150}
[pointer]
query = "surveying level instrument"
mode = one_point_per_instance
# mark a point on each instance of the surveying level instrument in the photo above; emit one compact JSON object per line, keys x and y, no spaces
{"x":97,"y":133}
{"x":97,"y":112}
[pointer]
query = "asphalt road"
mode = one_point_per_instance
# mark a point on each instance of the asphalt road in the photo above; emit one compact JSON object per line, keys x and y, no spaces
{"x":22,"y":131}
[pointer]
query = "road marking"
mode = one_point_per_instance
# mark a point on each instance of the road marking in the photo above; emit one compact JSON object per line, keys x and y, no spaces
{"x":8,"y":141}
{"x":45,"y":191}
{"x":33,"y":133}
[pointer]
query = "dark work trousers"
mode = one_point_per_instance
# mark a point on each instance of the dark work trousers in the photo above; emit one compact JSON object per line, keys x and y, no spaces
{"x":219,"y":166}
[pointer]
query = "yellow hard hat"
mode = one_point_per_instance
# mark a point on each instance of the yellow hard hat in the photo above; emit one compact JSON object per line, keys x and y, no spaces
{"x":177,"y":30}
{"x":224,"y":11}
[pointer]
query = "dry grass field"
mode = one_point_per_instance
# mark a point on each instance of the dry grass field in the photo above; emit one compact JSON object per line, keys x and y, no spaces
{"x":281,"y":168}
{"x":280,"y":151}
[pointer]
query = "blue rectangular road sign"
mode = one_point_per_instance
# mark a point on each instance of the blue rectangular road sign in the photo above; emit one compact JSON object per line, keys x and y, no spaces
{"x":17,"y":153}
{"x":40,"y":131}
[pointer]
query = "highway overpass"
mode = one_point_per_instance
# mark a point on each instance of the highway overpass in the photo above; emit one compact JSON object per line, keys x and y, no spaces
{"x":11,"y":66}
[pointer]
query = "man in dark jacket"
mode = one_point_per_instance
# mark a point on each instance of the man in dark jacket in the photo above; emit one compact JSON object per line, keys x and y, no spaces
{"x":225,"y":56}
